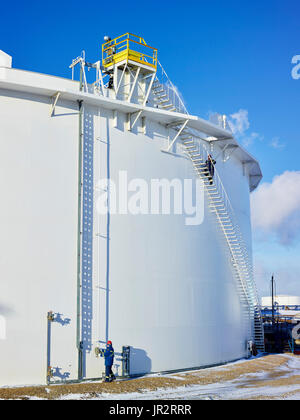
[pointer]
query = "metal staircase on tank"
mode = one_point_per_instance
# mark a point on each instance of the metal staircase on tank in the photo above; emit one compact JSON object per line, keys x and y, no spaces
{"x":166,"y":97}
{"x":221,"y":207}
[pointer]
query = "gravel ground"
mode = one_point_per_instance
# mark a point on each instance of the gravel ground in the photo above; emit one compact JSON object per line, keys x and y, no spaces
{"x":267,"y":377}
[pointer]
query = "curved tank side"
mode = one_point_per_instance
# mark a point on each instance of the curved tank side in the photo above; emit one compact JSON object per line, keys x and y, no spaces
{"x":153,"y":283}
{"x":172,"y":296}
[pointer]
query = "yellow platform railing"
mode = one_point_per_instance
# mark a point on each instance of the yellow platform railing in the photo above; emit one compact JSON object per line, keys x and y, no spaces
{"x":128,"y":47}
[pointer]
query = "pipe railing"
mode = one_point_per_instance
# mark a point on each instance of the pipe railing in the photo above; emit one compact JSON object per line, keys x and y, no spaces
{"x":170,"y":90}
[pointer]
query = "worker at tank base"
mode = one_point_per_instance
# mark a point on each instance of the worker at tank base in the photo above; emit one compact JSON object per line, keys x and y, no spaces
{"x":108,"y":355}
{"x":210,"y":165}
{"x":252,"y":348}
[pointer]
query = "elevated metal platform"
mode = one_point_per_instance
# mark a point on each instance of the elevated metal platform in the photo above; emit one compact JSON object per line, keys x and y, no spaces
{"x":129,"y":48}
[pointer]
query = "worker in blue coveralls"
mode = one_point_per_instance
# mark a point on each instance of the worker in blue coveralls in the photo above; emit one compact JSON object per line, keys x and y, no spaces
{"x":108,"y":355}
{"x":210,"y":165}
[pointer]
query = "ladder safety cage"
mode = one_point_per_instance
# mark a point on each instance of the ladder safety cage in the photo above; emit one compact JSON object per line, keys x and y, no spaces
{"x":128,"y":47}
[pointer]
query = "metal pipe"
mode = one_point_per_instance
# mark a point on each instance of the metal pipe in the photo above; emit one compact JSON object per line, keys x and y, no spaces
{"x":50,"y":319}
{"x":126,"y":361}
{"x":272,"y":285}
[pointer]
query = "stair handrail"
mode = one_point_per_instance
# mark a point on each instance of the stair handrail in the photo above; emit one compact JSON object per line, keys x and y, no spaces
{"x":225,"y":198}
{"x":173,"y":88}
{"x":227,"y":204}
{"x":251,"y":285}
{"x":242,"y":262}
{"x":237,"y":231}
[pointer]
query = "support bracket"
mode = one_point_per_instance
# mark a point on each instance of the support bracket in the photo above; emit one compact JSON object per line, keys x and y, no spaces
{"x":149,"y":89}
{"x":177,"y":135}
{"x":54,"y":102}
{"x":134,"y":84}
{"x":138,"y":114}
{"x":228,"y":150}
{"x":120,"y":81}
{"x":130,"y":124}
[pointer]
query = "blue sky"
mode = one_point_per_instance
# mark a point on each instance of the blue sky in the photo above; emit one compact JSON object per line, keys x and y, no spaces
{"x":224,"y":57}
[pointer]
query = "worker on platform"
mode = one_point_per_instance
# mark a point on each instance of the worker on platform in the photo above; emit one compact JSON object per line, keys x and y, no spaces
{"x":108,"y":355}
{"x":210,"y":165}
{"x":111,"y":82}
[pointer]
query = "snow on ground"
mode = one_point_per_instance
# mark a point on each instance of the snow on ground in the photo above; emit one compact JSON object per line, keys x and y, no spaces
{"x":267,"y":377}
{"x":196,"y":392}
{"x":235,"y":389}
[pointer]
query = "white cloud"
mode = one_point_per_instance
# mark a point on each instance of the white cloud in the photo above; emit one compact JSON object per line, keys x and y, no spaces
{"x":248,"y":140}
{"x":276,"y":144}
{"x":287,"y":278}
{"x":239,"y":122}
{"x":262,"y":277}
{"x":276,"y":207}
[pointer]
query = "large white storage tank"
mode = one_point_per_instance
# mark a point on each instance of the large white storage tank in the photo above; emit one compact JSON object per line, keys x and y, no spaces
{"x":181,"y":296}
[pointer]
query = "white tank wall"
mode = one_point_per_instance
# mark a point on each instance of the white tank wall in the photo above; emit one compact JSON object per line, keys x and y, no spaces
{"x":169,"y":284}
{"x":171,"y":292}
{"x":38,"y":182}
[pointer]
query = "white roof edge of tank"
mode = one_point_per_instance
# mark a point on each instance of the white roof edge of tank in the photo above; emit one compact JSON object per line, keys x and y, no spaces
{"x":47,"y":85}
{"x":255,"y":173}
{"x":5,"y":60}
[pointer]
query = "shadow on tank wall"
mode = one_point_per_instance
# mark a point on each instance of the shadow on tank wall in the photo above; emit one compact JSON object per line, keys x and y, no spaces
{"x":55,"y":372}
{"x":140,"y":362}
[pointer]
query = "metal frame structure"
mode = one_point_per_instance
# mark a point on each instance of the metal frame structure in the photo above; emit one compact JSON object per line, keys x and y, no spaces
{"x":98,"y":84}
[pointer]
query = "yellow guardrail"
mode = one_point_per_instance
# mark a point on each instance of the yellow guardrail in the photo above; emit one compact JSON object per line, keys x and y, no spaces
{"x":128,"y":47}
